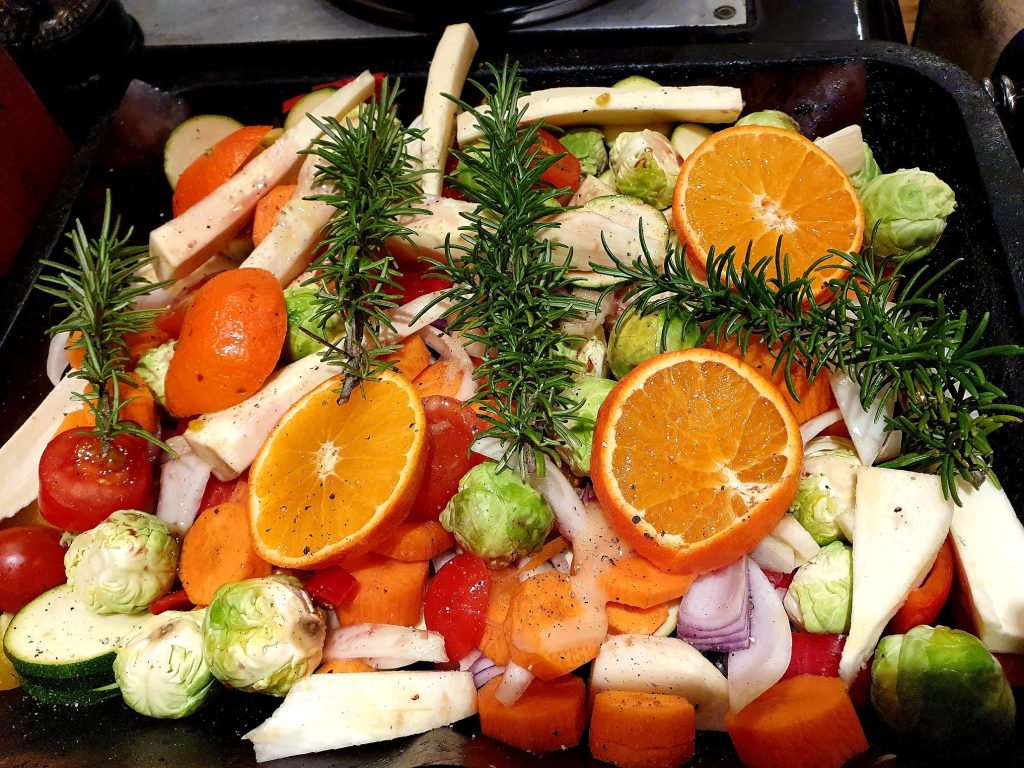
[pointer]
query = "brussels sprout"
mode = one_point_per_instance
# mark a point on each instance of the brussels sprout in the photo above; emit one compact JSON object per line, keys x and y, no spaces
{"x":942,"y":690}
{"x":637,"y":337}
{"x":123,"y":564}
{"x":590,"y":392}
{"x":301,"y":305}
{"x":587,"y":146}
{"x":819,"y":597}
{"x":827,"y":445}
{"x":826,"y":491}
{"x":262,"y":635}
{"x":637,"y":81}
{"x":591,"y":353}
{"x":497,"y":516}
{"x":161,"y":671}
{"x":909,"y":208}
{"x":152,"y":368}
{"x":771,"y":118}
{"x":868,"y":172}
{"x":645,"y":166}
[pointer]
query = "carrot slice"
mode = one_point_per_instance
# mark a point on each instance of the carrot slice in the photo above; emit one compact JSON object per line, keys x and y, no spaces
{"x":410,"y":542}
{"x":412,"y":358}
{"x":803,"y":722}
{"x":545,"y":553}
{"x":628,"y":620}
{"x":390,"y":591}
{"x":548,"y":716}
{"x":217,"y":550}
{"x":640,"y":583}
{"x":642,"y":730}
{"x":442,"y":378}
{"x":493,"y":644}
{"x":267,"y":210}
{"x":139,"y":343}
{"x":538,"y":606}
{"x":141,"y":409}
{"x":340,"y":666}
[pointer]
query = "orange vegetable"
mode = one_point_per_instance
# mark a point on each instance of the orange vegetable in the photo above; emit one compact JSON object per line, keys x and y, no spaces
{"x":412,"y":541}
{"x":627,"y":620}
{"x":267,"y":209}
{"x":217,"y":165}
{"x":642,"y":730}
{"x":230,"y":342}
{"x":412,"y":358}
{"x":139,"y":406}
{"x":540,"y":607}
{"x":442,"y":378}
{"x":493,"y":644}
{"x":218,"y":549}
{"x":635,"y":581}
{"x":545,"y":553}
{"x":550,"y":715}
{"x":140,"y":343}
{"x":75,"y":354}
{"x":339,"y":666}
{"x":924,"y":603}
{"x":803,"y":722}
{"x":390,"y":591}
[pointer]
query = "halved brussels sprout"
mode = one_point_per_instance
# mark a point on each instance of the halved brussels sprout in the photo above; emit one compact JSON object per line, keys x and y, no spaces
{"x":772,"y":118}
{"x":646,"y":166}
{"x":590,"y":392}
{"x":820,"y":596}
{"x":587,"y":146}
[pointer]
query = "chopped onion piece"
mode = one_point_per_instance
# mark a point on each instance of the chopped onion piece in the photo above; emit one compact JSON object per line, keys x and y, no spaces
{"x":482,"y":662}
{"x":562,"y":562}
{"x":182,"y":485}
{"x":513,"y":685}
{"x":754,"y":670}
{"x":466,"y":662}
{"x":484,"y":676}
{"x":450,"y":349}
{"x":384,"y":646}
{"x":57,"y":357}
{"x":714,"y":615}
{"x":867,"y":429}
{"x":811,"y":429}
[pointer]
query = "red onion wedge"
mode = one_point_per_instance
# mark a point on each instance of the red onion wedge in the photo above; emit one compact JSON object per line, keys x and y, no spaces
{"x":182,"y":484}
{"x":714,"y":615}
{"x":513,"y":685}
{"x":467,"y":662}
{"x":440,"y":561}
{"x":484,"y":676}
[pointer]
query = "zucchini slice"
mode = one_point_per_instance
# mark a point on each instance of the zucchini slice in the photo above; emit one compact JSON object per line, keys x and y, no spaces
{"x":191,"y":139}
{"x":305,"y":105}
{"x":56,"y":694}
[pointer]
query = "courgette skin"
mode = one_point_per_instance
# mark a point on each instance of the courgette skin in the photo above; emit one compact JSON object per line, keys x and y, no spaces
{"x":70,"y":698}
{"x":56,"y":637}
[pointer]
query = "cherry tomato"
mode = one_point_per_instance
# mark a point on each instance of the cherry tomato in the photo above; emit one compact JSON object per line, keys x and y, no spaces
{"x":565,"y":172}
{"x":31,"y":562}
{"x":456,"y":604}
{"x":450,"y":430}
{"x":81,"y":485}
{"x":815,"y":654}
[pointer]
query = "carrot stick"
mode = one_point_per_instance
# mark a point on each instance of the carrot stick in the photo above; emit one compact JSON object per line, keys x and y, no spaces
{"x":141,"y":409}
{"x":638,"y":582}
{"x":390,"y":591}
{"x":442,"y":378}
{"x":412,"y":358}
{"x":493,"y":644}
{"x":642,"y":730}
{"x":627,"y":620}
{"x":803,"y":722}
{"x":413,"y":541}
{"x":267,"y":209}
{"x":539,"y":605}
{"x":545,"y":553}
{"x":217,"y":550}
{"x":550,"y":715}
{"x":339,"y":666}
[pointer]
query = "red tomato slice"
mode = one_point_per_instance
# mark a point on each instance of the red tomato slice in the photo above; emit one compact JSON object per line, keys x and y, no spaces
{"x":31,"y":562}
{"x":80,"y":485}
{"x":456,"y":604}
{"x":564,"y":173}
{"x":778,"y":579}
{"x":221,"y":491}
{"x":332,"y":586}
{"x":450,"y":430}
{"x":415,"y":283}
{"x":815,"y":654}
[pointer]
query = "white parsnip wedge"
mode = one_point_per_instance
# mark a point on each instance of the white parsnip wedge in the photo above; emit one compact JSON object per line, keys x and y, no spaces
{"x":611,"y":106}
{"x":901,"y":520}
{"x":19,"y":457}
{"x":448,"y":70}
{"x":288,"y":247}
{"x":324,"y":712}
{"x":229,"y":440}
{"x":183,"y":243}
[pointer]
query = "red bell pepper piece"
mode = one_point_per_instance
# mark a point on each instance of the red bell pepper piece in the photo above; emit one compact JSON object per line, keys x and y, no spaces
{"x":172,"y":601}
{"x":815,"y":654}
{"x":778,"y":579}
{"x":287,"y":104}
{"x":923,"y":604}
{"x":332,"y":586}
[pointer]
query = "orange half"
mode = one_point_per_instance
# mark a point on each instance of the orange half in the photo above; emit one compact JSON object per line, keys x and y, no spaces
{"x":335,"y":479}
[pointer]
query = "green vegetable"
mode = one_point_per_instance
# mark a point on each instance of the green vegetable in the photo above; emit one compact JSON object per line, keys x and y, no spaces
{"x":637,"y":81}
{"x":590,"y":351}
{"x":161,"y":670}
{"x":816,"y":508}
{"x":152,"y":368}
{"x":123,"y":564}
{"x":819,"y":597}
{"x":590,"y":392}
{"x":637,"y":338}
{"x":262,"y":635}
{"x":645,"y":165}
{"x":497,"y":516}
{"x":868,"y":172}
{"x":826,"y":491}
{"x":909,"y":208}
{"x":942,"y":690}
{"x":771,"y":118}
{"x":587,"y":146}
{"x":301,"y":304}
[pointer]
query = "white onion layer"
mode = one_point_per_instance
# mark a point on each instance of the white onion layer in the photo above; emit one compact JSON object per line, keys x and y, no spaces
{"x":513,"y":685}
{"x":450,"y":349}
{"x":182,"y":484}
{"x":57,"y":357}
{"x":814,"y":427}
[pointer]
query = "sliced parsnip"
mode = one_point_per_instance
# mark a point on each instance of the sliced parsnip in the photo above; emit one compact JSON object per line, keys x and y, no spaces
{"x":19,"y":457}
{"x":229,"y":440}
{"x":288,"y":248}
{"x":324,"y":712}
{"x":448,"y":70}
{"x":611,"y":106}
{"x":182,"y":244}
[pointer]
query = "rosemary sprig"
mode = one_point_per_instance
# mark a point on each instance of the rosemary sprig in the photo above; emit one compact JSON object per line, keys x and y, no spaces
{"x":374,"y":182}
{"x":510,"y":291}
{"x":99,"y":289}
{"x":880,"y":328}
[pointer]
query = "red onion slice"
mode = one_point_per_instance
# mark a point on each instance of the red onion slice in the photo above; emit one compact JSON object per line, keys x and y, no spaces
{"x":482,"y":662}
{"x":57,"y":357}
{"x":715,"y":614}
{"x":466,"y":662}
{"x":182,"y":484}
{"x":440,"y":561}
{"x":484,"y":676}
{"x":513,"y":685}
